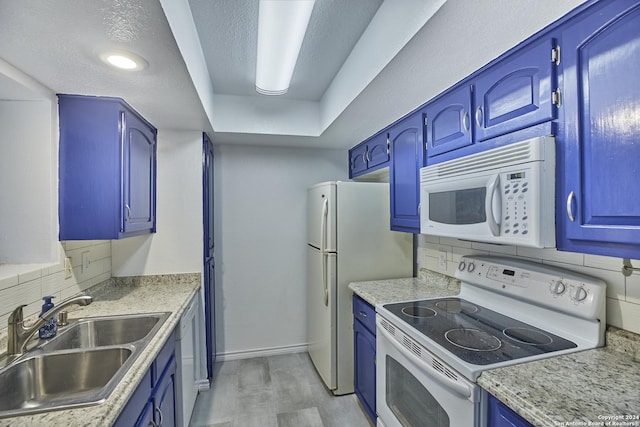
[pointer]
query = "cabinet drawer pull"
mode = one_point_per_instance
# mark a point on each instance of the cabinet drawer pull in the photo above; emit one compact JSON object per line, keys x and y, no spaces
{"x":570,"y":206}
{"x":128,"y":209}
{"x":479,"y":116}
{"x":362,"y":314}
{"x":159,"y":417}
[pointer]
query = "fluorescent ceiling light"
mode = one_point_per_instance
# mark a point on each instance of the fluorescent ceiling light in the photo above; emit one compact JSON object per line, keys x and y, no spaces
{"x":281,"y":28}
{"x":124,"y":60}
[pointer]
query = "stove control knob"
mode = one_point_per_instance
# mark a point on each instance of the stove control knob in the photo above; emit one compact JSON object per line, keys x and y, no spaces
{"x":462,"y":266}
{"x":471,"y":267}
{"x":580,"y":294}
{"x":558,"y":288}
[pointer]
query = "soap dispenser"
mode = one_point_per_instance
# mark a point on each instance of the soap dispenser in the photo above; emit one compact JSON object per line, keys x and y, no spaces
{"x":50,"y":328}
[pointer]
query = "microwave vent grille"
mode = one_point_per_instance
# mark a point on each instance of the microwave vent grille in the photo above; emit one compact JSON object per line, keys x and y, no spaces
{"x":496,"y":158}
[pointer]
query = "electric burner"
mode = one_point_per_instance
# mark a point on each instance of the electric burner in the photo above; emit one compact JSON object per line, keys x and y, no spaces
{"x":418,"y":311}
{"x":473,"y":339}
{"x":456,"y":306}
{"x":528,"y":336}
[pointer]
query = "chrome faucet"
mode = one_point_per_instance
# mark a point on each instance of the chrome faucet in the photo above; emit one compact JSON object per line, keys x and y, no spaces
{"x":18,"y":335}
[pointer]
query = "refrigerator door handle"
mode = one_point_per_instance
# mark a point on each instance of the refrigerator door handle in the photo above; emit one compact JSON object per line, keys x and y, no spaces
{"x":324,"y":279}
{"x":323,"y":225}
{"x":323,"y":247}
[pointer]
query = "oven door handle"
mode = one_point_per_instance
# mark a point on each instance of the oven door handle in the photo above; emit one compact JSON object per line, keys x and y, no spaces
{"x":461,"y":389}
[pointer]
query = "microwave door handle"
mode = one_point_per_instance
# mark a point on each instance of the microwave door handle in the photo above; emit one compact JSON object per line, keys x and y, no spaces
{"x":493,"y":187}
{"x":459,"y":388}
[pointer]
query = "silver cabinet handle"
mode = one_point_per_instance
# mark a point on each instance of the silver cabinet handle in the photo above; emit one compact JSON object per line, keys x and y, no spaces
{"x":465,"y":121}
{"x":128,"y":209}
{"x":570,"y":206}
{"x":368,"y":156}
{"x":388,"y":146}
{"x":479,"y":116}
{"x":159,"y":417}
{"x":363,"y":314}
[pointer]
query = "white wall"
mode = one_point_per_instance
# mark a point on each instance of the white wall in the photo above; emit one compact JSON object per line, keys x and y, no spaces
{"x":260,"y":237}
{"x":176,"y":247}
{"x":623,"y":293}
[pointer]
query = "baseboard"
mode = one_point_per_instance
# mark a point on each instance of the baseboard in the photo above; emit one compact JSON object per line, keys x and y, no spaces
{"x":262,"y":352}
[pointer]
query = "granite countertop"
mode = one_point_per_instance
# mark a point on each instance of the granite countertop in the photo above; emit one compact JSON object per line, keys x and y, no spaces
{"x":429,"y":285}
{"x":145,"y":294}
{"x":584,"y":388}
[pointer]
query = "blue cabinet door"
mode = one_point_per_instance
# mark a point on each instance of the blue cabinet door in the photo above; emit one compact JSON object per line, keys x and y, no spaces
{"x":599,"y":200}
{"x":358,"y":160}
{"x":365,"y":367}
{"x":500,"y":415}
{"x":448,"y":121}
{"x":139,"y":175}
{"x":516,"y":93}
{"x":377,"y":151}
{"x":406,"y":139}
{"x":164,"y":397}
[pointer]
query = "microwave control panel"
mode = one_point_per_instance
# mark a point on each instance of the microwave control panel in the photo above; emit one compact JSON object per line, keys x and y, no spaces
{"x":516,"y":188}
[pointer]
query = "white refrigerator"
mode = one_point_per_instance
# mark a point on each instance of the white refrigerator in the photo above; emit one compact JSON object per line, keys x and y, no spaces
{"x":348,"y":240}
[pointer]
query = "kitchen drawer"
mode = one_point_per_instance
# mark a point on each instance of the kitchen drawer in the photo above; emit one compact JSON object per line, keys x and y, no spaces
{"x":365,"y":313}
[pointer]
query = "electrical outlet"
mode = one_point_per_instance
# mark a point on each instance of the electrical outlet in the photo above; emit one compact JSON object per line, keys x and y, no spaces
{"x":68,"y":269}
{"x":86,"y":261}
{"x":442,"y":261}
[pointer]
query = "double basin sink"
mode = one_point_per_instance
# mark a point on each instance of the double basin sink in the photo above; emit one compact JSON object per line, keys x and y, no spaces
{"x":80,"y":366}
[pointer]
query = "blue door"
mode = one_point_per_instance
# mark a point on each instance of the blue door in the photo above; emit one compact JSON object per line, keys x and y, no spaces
{"x":448,"y":122}
{"x":599,"y":200}
{"x":357,"y":160}
{"x":404,"y":175}
{"x":209,"y":258}
{"x":517,"y":92}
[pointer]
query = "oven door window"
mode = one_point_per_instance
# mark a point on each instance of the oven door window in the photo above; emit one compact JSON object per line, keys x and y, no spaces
{"x":458,"y":207}
{"x":407,"y":398}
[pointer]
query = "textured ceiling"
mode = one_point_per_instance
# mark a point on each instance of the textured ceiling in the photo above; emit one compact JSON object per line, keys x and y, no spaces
{"x":228,"y":36}
{"x":365,"y":63}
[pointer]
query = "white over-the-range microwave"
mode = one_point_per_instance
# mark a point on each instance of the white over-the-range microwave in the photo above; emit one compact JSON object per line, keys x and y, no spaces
{"x":504,"y":195}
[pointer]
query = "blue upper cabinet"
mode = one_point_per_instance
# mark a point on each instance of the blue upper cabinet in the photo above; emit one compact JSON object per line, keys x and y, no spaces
{"x":406,"y":138}
{"x":517,"y":92}
{"x":448,"y":122}
{"x":369,"y":156}
{"x":107,"y":171}
{"x":598,"y":199}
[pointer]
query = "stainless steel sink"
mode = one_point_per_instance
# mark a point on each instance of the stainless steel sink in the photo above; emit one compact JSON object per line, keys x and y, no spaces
{"x":54,"y":379}
{"x":80,"y":366}
{"x":105,"y":331}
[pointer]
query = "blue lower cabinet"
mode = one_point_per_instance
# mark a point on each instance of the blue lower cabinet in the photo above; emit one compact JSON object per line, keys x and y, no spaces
{"x":364,"y":342}
{"x":499,"y":415}
{"x":154,"y":401}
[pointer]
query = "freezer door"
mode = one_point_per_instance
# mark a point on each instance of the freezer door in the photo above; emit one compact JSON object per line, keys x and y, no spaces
{"x":321,"y":313}
{"x":321,"y":223}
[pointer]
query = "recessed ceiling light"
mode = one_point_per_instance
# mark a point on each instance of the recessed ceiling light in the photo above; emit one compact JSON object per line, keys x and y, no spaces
{"x":124,"y":60}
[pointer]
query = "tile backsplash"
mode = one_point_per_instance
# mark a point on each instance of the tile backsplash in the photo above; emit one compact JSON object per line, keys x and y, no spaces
{"x":623,"y":293}
{"x":28,"y":283}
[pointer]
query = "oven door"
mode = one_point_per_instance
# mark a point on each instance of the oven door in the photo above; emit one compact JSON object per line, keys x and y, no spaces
{"x":414,"y":388}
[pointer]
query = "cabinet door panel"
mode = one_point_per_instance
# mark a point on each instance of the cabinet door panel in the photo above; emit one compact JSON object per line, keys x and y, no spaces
{"x":516,"y":92}
{"x":406,"y":160}
{"x":378,"y":151}
{"x":448,"y":122}
{"x":357,"y":160}
{"x":502,"y":416}
{"x":138,"y":176}
{"x":164,"y":397}
{"x":602,"y":125}
{"x":365,"y":367}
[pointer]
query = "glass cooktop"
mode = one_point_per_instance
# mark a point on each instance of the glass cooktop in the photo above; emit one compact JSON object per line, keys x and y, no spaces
{"x":476,"y":334}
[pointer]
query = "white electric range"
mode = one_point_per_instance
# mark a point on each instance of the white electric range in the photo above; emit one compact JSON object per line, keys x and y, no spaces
{"x":430,"y":352}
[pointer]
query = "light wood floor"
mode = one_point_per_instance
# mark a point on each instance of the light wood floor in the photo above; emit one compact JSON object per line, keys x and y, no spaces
{"x":275,"y":391}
